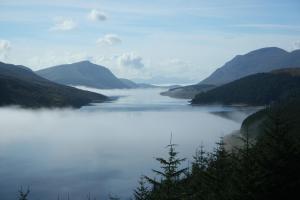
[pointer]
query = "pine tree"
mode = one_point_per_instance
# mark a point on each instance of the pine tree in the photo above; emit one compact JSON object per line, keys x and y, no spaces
{"x":245,"y":168}
{"x":219,"y":173}
{"x":200,"y":160}
{"x":168,"y":187}
{"x":142,"y":192}
{"x":197,"y":187}
{"x":278,"y":158}
{"x":23,"y":195}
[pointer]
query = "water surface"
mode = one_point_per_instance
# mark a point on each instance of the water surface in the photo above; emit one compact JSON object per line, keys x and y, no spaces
{"x":101,"y":149}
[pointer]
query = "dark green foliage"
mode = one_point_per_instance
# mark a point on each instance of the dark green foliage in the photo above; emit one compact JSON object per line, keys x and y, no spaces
{"x":264,"y":167}
{"x":142,"y":192}
{"x":219,"y":172}
{"x":245,"y":169}
{"x":259,"y":89}
{"x":199,"y":177}
{"x":278,"y":158}
{"x":23,"y":195}
{"x":290,"y":112}
{"x":169,"y":187}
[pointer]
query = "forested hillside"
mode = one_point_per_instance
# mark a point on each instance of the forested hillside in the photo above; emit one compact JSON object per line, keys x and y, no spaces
{"x":264,"y":167}
{"x":258,"y":89}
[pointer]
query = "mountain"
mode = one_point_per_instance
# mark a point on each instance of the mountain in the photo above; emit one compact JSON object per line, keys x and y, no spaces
{"x":164,"y":80}
{"x":257,"y":61}
{"x":257,"y":89}
{"x":129,"y":83}
{"x":21,"y":86}
{"x":187,"y":92}
{"x":290,"y":71}
{"x":133,"y":85}
{"x":83,"y":73}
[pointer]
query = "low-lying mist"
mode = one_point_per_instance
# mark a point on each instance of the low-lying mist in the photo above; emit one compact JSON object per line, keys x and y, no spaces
{"x":80,"y":152}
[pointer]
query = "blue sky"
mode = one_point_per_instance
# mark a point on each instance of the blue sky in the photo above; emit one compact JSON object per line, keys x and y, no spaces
{"x":182,"y":40}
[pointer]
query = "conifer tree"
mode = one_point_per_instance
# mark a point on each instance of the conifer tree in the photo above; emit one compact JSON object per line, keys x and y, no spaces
{"x":142,"y":192}
{"x":23,"y":195}
{"x":198,"y":180}
{"x":200,"y":160}
{"x":245,"y":168}
{"x":219,"y":173}
{"x":278,"y":158}
{"x":168,"y":187}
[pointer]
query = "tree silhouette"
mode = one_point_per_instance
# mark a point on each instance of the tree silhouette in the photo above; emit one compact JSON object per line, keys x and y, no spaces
{"x":169,"y":185}
{"x":198,"y":178}
{"x":219,"y":173}
{"x":278,"y":158}
{"x":245,"y":167}
{"x":142,"y":192}
{"x":23,"y":195}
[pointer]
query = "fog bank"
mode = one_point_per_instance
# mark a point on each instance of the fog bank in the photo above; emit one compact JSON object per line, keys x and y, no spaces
{"x":101,"y":149}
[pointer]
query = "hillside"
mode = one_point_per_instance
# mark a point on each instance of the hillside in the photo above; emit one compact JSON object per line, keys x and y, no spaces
{"x":187,"y":92}
{"x":20,"y":86}
{"x":288,"y":109}
{"x":257,"y":61}
{"x":290,"y":71}
{"x":257,"y":89}
{"x":133,"y":85}
{"x":83,"y":73}
{"x":129,"y":83}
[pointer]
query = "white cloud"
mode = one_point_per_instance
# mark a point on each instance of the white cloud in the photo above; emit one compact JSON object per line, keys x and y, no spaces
{"x":109,"y":39}
{"x":62,"y":24}
{"x":5,"y":46}
{"x":131,"y":60}
{"x":96,"y":15}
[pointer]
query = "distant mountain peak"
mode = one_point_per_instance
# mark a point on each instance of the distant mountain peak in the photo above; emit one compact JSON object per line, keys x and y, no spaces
{"x":83,"y":73}
{"x":260,"y":60}
{"x":83,"y":62}
{"x":80,"y":63}
{"x":267,"y":50}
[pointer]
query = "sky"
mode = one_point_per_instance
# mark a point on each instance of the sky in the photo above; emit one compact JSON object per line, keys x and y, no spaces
{"x":157,"y":41}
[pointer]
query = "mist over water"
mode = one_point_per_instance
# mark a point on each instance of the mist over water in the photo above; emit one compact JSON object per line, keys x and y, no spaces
{"x":100,"y":149}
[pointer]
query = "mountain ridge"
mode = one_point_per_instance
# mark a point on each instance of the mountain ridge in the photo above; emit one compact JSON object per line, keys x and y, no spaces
{"x":20,"y":86}
{"x":83,"y":73}
{"x":256,"y":61}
